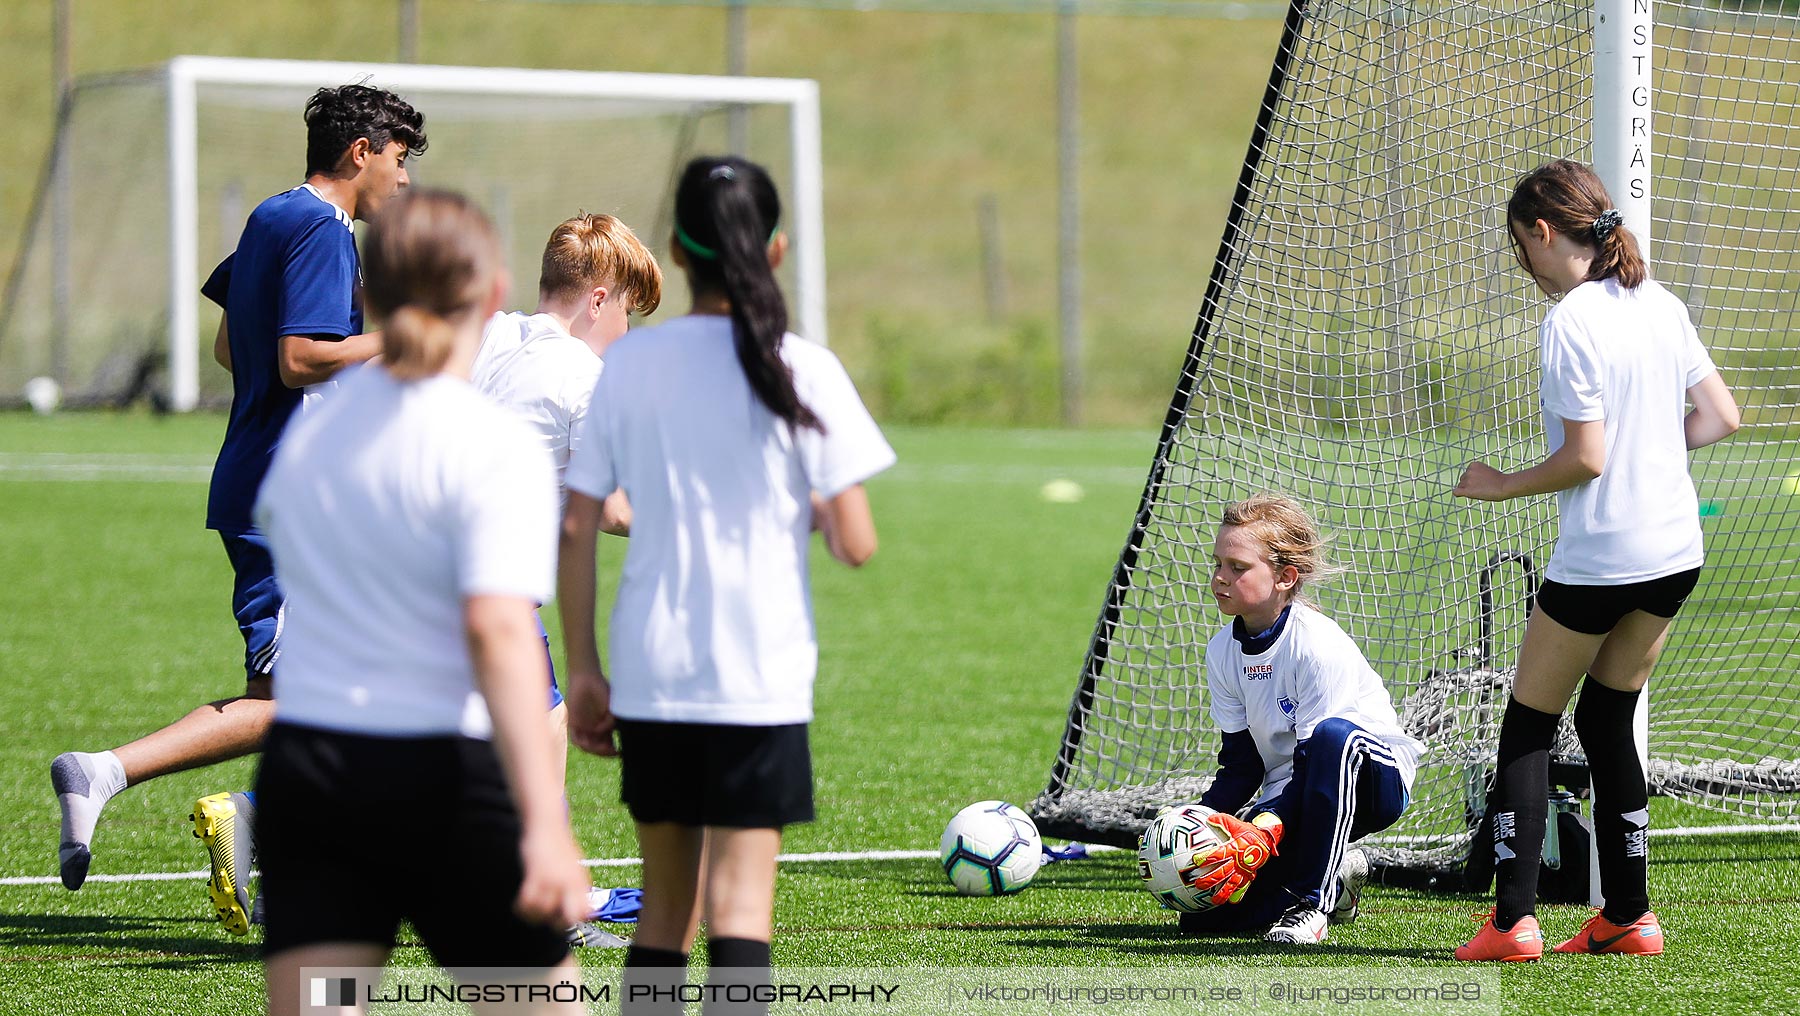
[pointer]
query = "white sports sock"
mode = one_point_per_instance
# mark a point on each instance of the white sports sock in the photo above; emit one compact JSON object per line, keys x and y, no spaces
{"x":84,"y":782}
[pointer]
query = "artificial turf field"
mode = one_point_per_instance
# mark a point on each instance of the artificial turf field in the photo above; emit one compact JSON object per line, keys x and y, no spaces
{"x":946,"y":670}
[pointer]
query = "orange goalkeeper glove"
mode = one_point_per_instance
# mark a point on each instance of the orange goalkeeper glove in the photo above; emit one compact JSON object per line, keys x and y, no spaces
{"x":1235,"y":863}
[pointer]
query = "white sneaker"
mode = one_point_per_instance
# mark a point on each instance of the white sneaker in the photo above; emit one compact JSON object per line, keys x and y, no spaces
{"x":1300,"y":925}
{"x":1353,"y":874}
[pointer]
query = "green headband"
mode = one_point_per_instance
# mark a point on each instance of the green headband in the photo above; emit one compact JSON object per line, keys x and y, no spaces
{"x":701,"y":250}
{"x":694,"y":246}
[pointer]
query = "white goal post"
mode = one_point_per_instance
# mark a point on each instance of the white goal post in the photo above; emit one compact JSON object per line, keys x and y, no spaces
{"x":416,"y":82}
{"x":1623,"y":145}
{"x":153,"y":173}
{"x":1623,"y":134}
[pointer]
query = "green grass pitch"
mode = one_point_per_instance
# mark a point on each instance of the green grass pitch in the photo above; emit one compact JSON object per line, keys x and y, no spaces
{"x":946,"y":669}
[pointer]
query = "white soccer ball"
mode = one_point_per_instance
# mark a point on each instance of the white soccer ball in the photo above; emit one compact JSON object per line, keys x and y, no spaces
{"x":1174,"y":851}
{"x":991,"y":848}
{"x":44,"y":395}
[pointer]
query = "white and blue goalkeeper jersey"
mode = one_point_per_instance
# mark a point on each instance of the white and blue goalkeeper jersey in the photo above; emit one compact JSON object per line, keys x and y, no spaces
{"x":1312,"y":672}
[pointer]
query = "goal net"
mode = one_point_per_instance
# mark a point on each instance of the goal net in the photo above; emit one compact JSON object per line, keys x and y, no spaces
{"x":1365,"y":332}
{"x":153,"y":174}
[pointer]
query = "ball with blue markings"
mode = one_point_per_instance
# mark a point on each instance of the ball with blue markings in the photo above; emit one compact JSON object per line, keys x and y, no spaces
{"x":991,"y":848}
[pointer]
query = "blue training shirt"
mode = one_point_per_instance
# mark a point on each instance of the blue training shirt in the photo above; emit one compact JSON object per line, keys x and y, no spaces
{"x":294,"y":272}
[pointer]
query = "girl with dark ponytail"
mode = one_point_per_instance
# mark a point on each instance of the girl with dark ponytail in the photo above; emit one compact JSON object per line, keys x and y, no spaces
{"x":1620,"y":365}
{"x":1569,"y":199}
{"x":733,"y":440}
{"x":726,"y":219}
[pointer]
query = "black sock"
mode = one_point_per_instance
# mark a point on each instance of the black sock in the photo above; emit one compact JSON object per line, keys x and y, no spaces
{"x":651,"y":982}
{"x":1519,"y":806}
{"x":737,"y":967}
{"x":1603,"y":718}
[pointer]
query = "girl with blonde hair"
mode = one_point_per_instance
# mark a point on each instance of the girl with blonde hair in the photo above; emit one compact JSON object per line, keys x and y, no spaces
{"x":1310,"y":746}
{"x":413,"y":525}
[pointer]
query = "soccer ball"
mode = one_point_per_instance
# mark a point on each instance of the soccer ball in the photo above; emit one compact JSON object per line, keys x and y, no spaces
{"x":1167,"y":859}
{"x":991,"y":848}
{"x":44,"y":395}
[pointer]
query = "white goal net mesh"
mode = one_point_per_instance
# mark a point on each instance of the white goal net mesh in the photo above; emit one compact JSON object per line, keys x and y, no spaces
{"x":1366,"y":332}
{"x":87,"y":301}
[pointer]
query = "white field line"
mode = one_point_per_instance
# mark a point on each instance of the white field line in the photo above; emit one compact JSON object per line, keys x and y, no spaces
{"x":594,"y":862}
{"x":831,"y":856}
{"x":904,"y":472}
{"x":56,"y":467}
{"x":1709,"y":830}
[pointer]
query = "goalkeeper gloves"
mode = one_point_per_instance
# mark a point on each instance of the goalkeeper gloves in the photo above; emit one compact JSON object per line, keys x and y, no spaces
{"x":1235,"y":863}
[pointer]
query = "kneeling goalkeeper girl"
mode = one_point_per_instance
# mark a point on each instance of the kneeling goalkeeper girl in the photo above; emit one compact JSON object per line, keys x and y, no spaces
{"x":1309,"y":735}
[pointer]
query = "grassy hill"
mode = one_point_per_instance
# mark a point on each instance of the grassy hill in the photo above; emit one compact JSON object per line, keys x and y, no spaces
{"x":925,"y":115}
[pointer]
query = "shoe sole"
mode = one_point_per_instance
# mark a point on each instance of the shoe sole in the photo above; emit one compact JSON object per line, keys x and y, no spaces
{"x":1610,"y":952}
{"x":1523,"y":957}
{"x":213,"y":818}
{"x":1293,"y":940}
{"x":1519,"y":958}
{"x":590,"y":936}
{"x":1354,"y":889}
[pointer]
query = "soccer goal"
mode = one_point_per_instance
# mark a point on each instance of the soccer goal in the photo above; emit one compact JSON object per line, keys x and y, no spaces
{"x":1365,"y":331}
{"x":152,"y":175}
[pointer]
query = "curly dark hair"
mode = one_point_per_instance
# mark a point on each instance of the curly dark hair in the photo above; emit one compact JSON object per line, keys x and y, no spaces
{"x":336,"y":117}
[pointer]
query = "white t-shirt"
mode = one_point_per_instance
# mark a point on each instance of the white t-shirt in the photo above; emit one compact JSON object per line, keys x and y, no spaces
{"x":530,"y":365}
{"x":1628,"y":357}
{"x":385,"y":508}
{"x":1312,"y":673}
{"x":713,"y":620}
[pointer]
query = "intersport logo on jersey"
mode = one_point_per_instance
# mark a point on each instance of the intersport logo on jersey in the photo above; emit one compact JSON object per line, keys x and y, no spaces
{"x":1259,"y":671}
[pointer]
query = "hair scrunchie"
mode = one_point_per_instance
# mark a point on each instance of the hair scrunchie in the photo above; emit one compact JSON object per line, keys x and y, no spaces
{"x":1608,"y":221}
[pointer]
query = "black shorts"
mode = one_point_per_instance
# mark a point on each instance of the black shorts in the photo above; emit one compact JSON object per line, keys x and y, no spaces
{"x":1596,"y":610}
{"x":708,"y":774}
{"x":357,"y":833}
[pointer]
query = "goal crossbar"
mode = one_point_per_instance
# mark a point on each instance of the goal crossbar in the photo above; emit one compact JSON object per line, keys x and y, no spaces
{"x":186,"y":74}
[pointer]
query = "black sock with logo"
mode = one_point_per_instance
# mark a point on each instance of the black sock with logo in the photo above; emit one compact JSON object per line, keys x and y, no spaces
{"x":738,"y":978}
{"x":1604,"y":720}
{"x":652,"y":982}
{"x":1519,"y":808}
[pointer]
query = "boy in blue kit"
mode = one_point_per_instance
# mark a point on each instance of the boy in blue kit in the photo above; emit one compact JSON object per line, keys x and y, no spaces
{"x":293,"y":319}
